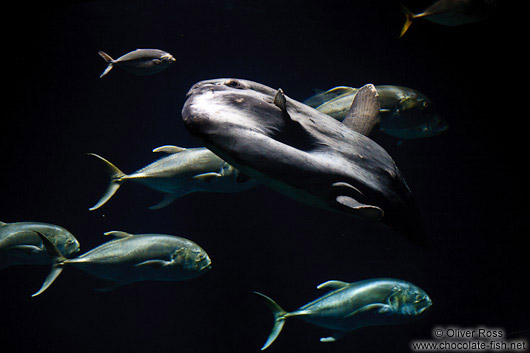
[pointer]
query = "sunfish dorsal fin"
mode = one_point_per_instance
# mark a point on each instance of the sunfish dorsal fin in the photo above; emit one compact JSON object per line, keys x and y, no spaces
{"x":169,"y":149}
{"x":118,"y":234}
{"x":333,"y":284}
{"x":364,"y":111}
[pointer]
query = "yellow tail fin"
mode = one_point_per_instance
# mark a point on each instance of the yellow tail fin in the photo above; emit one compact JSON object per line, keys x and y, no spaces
{"x":409,"y":16}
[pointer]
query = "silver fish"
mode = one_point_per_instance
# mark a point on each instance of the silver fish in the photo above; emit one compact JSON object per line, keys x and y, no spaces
{"x":20,"y":245}
{"x":349,"y":306}
{"x":303,"y":153}
{"x":183,"y":171}
{"x":451,"y":12}
{"x":139,"y":61}
{"x":132,"y":258}
{"x":405,"y":113}
{"x":322,"y":97}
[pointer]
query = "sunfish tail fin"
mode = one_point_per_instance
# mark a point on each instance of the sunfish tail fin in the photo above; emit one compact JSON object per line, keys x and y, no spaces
{"x":58,"y":263}
{"x":116,"y":177}
{"x":409,"y":16}
{"x":279,"y":318}
{"x":109,"y":60}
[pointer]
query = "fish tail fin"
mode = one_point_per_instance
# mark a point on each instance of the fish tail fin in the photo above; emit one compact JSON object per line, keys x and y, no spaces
{"x":116,"y":178}
{"x":108,"y":59}
{"x":58,"y":263}
{"x":279,"y":318}
{"x":409,"y":16}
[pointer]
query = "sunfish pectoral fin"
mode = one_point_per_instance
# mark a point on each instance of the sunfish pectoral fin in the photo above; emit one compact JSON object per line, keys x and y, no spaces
{"x":369,"y":212}
{"x":57,"y":267}
{"x":279,"y":318}
{"x":373,"y":308}
{"x":333,"y":284}
{"x":169,"y":149}
{"x":364,"y":111}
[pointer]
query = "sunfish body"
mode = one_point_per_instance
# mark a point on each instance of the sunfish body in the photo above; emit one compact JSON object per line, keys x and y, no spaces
{"x":20,"y":245}
{"x":405,"y":113}
{"x":132,"y":258}
{"x":300,"y":152}
{"x":182,"y":171}
{"x":139,"y":61}
{"x":349,"y":306}
{"x":451,"y":12}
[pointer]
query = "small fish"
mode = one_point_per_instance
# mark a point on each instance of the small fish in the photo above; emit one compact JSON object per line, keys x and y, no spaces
{"x":20,"y":245}
{"x":405,"y":113}
{"x":132,"y":258}
{"x":324,"y":96}
{"x":183,"y":171}
{"x":139,"y":61}
{"x":349,"y":306}
{"x":451,"y":12}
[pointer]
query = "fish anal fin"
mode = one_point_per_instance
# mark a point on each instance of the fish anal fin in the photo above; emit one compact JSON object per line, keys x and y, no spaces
{"x":369,"y":212}
{"x":167,"y":200}
{"x":169,"y":149}
{"x":110,"y":287}
{"x":118,"y":234}
{"x":364,"y":111}
{"x":333,"y":284}
{"x":336,"y":335}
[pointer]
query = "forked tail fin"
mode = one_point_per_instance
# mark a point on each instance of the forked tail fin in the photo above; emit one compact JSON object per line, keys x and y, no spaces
{"x":109,"y":60}
{"x":58,"y":263}
{"x":115,"y":176}
{"x":409,"y":16}
{"x":279,"y":318}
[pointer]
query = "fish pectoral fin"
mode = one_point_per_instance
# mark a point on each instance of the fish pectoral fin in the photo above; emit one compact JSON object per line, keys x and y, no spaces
{"x":333,"y":284}
{"x":375,"y":308}
{"x":369,"y":212}
{"x":169,"y":149}
{"x":118,"y":234}
{"x":336,"y":335}
{"x":26,"y":249}
{"x":168,"y":199}
{"x":151,"y":263}
{"x":207,"y":177}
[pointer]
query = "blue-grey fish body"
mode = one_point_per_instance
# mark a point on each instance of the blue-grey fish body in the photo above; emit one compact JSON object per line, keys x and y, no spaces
{"x":300,"y":152}
{"x":20,"y":245}
{"x":139,"y":61}
{"x":405,"y":113}
{"x":349,"y":306}
{"x":452,"y":12}
{"x":181,"y":172}
{"x":140,"y":257}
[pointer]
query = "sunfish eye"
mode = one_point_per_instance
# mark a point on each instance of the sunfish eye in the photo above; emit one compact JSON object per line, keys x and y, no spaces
{"x":233,"y":83}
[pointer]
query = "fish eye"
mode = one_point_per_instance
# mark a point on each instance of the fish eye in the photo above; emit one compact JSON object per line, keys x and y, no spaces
{"x":418,"y":298}
{"x":70,"y":241}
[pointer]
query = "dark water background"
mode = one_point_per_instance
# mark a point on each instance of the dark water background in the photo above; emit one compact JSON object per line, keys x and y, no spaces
{"x":470,"y":182}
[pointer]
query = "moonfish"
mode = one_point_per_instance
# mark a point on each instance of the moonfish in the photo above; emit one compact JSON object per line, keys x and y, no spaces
{"x":303,"y":153}
{"x":349,"y":306}
{"x":405,"y":113}
{"x":20,"y":245}
{"x":182,"y":171}
{"x":140,"y":61}
{"x":451,"y":12}
{"x":132,"y":258}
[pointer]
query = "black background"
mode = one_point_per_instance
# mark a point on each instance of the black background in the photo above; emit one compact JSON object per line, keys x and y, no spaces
{"x":470,"y":182}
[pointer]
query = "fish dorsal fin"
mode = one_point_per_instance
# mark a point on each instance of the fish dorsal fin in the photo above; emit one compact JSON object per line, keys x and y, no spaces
{"x":169,"y":149}
{"x":333,"y":284}
{"x":364,"y":111}
{"x":2,"y":224}
{"x":118,"y":234}
{"x":280,"y":101}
